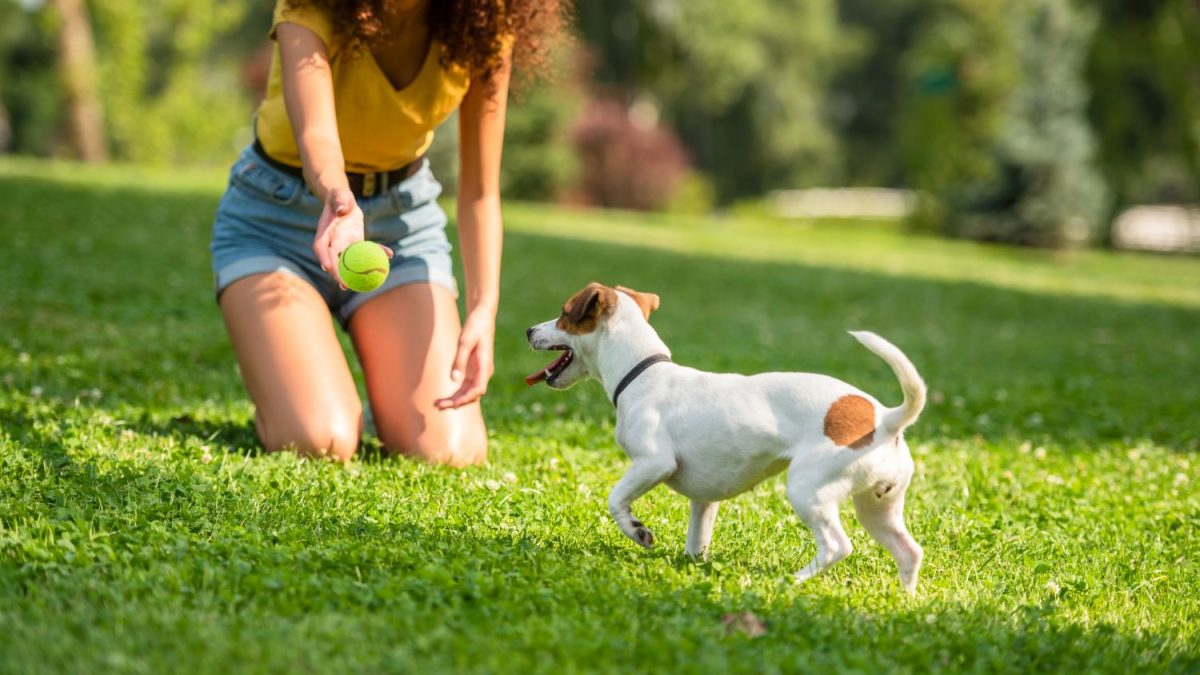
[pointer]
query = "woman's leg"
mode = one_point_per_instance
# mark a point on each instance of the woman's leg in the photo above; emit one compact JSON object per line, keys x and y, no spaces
{"x":293,"y":366}
{"x":406,"y":339}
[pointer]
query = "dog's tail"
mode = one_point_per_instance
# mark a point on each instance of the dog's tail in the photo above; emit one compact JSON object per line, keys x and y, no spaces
{"x":899,"y":418}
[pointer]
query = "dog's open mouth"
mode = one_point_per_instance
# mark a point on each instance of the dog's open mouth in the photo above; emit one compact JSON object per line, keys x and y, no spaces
{"x":554,"y":369}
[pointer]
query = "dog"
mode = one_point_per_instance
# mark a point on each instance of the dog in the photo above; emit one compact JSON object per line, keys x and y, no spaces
{"x":712,"y":436}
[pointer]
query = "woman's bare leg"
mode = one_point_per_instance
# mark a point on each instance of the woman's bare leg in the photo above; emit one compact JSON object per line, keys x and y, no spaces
{"x":293,"y":366}
{"x":406,"y":340}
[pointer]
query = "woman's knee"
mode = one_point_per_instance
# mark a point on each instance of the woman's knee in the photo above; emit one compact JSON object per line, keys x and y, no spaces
{"x":333,"y":436}
{"x":454,"y":442}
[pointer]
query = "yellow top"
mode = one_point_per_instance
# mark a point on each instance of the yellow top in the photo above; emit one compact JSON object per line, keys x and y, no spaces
{"x":381,"y":128}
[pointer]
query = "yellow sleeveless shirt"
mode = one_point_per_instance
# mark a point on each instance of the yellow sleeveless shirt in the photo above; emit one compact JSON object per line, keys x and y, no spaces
{"x":381,"y":128}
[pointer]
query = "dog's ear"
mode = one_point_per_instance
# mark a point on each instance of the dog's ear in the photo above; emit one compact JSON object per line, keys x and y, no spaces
{"x":647,"y":301}
{"x":583,"y":310}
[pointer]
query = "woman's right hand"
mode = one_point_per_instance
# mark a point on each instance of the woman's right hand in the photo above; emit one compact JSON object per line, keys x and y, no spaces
{"x":341,"y":225}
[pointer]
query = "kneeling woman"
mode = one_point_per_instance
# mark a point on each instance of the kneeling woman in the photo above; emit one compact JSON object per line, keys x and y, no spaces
{"x":356,"y":89}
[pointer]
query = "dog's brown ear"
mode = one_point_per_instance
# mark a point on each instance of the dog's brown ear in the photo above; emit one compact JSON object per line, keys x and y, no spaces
{"x":583,"y":310}
{"x":647,"y":301}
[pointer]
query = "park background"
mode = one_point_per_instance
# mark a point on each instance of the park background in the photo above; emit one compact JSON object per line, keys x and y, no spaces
{"x":704,"y":150}
{"x":1034,"y":122}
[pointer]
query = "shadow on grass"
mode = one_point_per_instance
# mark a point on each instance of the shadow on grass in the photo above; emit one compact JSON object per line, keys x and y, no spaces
{"x":239,"y":437}
{"x":1004,"y":365}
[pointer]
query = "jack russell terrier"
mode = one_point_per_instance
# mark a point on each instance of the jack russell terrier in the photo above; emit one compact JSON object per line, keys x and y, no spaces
{"x":712,"y":436}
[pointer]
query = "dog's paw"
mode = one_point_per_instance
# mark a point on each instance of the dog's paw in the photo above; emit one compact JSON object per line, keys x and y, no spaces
{"x":642,"y":534}
{"x":804,"y":574}
{"x":644,"y":537}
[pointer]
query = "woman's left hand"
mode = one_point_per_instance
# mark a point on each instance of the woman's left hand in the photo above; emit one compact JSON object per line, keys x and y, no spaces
{"x":473,"y":364}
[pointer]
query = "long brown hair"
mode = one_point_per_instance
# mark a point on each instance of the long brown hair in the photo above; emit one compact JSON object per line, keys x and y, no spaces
{"x":472,"y":32}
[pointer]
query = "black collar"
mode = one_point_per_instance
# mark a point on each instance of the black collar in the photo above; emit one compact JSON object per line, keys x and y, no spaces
{"x":637,"y":370}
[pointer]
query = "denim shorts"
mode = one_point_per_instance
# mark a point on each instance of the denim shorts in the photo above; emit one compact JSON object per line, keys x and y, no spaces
{"x":267,"y":219}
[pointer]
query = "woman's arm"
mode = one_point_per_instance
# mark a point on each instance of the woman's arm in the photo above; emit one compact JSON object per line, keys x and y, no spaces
{"x":308,"y":96}
{"x":481,"y":139}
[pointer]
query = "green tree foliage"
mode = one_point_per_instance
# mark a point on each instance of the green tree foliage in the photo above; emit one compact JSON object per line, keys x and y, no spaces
{"x":990,"y":106}
{"x":866,"y":92}
{"x":743,"y":83}
{"x":995,"y":130}
{"x":30,"y":98}
{"x":169,"y":95}
{"x":538,"y":162}
{"x":958,"y":76}
{"x":1145,"y":83}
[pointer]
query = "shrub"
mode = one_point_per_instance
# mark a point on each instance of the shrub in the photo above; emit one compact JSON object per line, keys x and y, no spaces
{"x":996,"y":132}
{"x":538,"y":161}
{"x":169,"y":95}
{"x":625,"y":161}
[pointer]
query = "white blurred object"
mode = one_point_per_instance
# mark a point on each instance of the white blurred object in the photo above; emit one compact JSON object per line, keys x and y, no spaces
{"x":843,"y":203}
{"x":1158,"y":228}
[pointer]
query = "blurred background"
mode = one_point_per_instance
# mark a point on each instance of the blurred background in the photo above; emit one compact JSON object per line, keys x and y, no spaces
{"x":1044,"y":123}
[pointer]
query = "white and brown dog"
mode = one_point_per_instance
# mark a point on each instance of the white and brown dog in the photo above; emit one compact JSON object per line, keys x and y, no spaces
{"x":712,"y":436}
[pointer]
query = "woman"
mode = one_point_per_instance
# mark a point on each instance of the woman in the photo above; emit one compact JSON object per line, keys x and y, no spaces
{"x":356,"y":89}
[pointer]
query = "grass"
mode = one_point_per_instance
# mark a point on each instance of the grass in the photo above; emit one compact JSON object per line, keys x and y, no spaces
{"x":1057,"y":495}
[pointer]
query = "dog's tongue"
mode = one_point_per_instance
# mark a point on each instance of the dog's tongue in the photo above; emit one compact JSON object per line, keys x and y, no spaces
{"x":533,"y":378}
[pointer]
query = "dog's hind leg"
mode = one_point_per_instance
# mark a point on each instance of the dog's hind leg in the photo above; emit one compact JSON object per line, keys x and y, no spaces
{"x":881,"y":512}
{"x":816,"y":502}
{"x":641,"y":477}
{"x":700,"y":528}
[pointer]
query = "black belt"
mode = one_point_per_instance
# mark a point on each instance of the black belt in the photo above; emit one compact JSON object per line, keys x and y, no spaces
{"x":363,"y":185}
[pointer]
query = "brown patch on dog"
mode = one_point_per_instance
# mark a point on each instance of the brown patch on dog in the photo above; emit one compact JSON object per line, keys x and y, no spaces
{"x":647,"y":301}
{"x":582,"y":311}
{"x":850,"y":422}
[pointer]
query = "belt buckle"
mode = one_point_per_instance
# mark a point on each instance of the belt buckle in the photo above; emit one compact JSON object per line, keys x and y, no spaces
{"x":368,"y":189}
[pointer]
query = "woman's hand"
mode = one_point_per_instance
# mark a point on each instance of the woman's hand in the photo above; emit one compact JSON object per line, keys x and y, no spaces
{"x":341,"y":224}
{"x":481,"y":136}
{"x":473,"y":365}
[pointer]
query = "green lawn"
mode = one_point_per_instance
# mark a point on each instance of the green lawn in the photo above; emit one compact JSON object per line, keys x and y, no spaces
{"x":1057,"y":494}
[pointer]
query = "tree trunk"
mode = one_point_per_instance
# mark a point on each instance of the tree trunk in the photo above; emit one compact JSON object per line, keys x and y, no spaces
{"x":77,"y":71}
{"x":5,"y":129}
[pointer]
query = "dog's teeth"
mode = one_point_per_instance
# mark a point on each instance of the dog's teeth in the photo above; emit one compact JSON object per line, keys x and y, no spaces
{"x":547,"y":371}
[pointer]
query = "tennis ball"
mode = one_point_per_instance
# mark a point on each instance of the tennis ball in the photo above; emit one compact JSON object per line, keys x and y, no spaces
{"x":363,"y":266}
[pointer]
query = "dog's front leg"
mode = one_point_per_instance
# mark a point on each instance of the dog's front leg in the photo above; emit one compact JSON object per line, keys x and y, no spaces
{"x":643,"y":475}
{"x":700,"y":528}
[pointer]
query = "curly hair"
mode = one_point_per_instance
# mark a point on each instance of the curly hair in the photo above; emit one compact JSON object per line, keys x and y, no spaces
{"x":472,"y":32}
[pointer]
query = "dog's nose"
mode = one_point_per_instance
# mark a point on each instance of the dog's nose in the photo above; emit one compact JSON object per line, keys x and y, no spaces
{"x":529,"y":333}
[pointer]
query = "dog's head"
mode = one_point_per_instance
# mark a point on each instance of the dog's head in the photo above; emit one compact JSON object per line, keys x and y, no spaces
{"x":586,"y":318}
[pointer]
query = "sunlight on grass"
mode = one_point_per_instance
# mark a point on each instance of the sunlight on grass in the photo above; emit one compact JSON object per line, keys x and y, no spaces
{"x":880,"y":247}
{"x":1057,"y":494}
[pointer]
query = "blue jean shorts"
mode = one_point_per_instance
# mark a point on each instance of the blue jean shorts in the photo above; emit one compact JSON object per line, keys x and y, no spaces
{"x":267,"y":219}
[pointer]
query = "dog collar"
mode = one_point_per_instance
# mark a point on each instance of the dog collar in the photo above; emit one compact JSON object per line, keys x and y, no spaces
{"x":637,"y":370}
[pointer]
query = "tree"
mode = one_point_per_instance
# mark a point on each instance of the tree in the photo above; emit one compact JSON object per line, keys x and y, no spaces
{"x":867,"y":92}
{"x":743,"y":83}
{"x":995,"y":129}
{"x":5,"y":129}
{"x":1145,"y":84}
{"x":29,"y":82}
{"x":77,"y":72}
{"x":538,"y":162}
{"x":170,"y":93}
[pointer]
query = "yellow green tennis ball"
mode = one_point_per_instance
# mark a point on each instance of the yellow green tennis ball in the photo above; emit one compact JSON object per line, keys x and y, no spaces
{"x":363,"y":266}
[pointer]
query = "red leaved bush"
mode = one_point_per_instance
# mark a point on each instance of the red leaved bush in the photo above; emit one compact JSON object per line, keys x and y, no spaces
{"x":624,"y":164}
